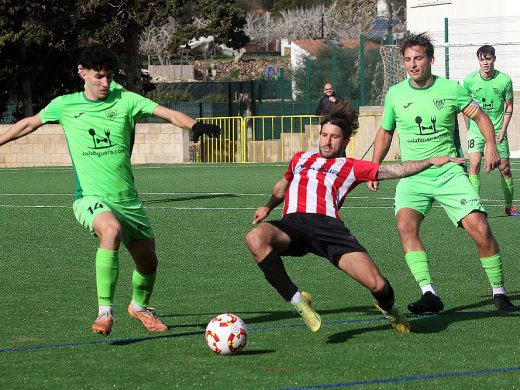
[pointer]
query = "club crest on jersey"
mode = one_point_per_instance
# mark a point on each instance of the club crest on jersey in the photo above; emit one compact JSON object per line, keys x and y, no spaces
{"x":497,"y":91}
{"x":439,"y":103}
{"x":111,"y":114}
{"x":298,"y":169}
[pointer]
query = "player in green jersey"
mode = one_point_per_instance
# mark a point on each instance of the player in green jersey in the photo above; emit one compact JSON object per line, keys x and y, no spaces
{"x":424,"y":111}
{"x":99,"y":125}
{"x":493,"y":90}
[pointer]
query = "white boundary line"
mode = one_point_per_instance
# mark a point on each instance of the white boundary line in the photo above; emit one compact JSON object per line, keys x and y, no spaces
{"x":148,"y":207}
{"x":220,"y":193}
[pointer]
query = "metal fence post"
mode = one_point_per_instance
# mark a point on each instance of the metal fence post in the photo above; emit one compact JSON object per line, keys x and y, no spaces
{"x":446,"y":50}
{"x":230,"y":99}
{"x":282,"y":97}
{"x":307,"y":86}
{"x":334,"y":56}
{"x":361,"y":70}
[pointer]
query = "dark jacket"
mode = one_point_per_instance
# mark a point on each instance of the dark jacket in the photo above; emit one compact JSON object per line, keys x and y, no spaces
{"x":324,"y":103}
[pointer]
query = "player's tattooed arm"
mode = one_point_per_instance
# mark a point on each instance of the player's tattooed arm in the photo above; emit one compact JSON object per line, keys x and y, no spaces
{"x":409,"y":168}
{"x":508,"y":106}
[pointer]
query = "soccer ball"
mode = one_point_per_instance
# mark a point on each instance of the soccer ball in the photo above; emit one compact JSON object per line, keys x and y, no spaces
{"x":226,"y":334}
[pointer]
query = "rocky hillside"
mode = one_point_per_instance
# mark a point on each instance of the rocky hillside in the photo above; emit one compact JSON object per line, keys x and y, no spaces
{"x":245,"y":69}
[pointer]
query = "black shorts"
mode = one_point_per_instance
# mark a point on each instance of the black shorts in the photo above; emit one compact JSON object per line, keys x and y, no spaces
{"x":319,"y":234}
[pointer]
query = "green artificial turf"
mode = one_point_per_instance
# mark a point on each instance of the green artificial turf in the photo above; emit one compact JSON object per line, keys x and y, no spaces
{"x":200,"y":215}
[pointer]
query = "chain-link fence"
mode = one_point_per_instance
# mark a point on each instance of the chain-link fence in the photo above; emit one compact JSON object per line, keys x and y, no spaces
{"x":457,"y":42}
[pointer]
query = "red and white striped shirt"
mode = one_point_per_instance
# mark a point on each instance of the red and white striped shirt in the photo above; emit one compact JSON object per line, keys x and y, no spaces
{"x":319,"y":185}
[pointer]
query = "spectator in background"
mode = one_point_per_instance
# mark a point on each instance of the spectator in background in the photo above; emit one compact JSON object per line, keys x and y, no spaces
{"x":330,"y":99}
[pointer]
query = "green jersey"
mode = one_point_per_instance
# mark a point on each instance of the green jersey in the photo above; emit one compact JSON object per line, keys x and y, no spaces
{"x":100,"y":136}
{"x":426,"y":120}
{"x":490,"y":95}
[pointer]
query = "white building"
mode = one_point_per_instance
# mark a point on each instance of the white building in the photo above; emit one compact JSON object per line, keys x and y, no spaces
{"x":470,"y":24}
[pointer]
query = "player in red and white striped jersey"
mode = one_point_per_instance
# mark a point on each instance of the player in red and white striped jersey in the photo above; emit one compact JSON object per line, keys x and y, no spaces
{"x":314,"y":188}
{"x":319,"y":185}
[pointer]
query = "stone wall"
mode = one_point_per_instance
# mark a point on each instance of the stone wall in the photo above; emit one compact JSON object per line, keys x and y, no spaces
{"x":155,"y":143}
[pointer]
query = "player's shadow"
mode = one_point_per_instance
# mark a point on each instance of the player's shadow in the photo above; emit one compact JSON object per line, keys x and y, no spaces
{"x":189,"y":197}
{"x":155,"y":337}
{"x":435,"y":323}
{"x":125,"y":342}
{"x":498,"y":216}
{"x":419,"y":323}
{"x":254,"y":317}
{"x":254,"y":352}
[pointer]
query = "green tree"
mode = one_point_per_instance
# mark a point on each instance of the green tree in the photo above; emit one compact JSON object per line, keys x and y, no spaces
{"x":118,"y":25}
{"x":40,"y":41}
{"x":32,"y":48}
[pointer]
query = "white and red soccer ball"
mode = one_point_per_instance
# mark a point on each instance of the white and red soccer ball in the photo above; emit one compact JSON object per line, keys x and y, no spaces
{"x":226,"y":334}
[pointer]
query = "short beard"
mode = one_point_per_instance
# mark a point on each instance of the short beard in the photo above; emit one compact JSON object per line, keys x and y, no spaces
{"x":334,"y":155}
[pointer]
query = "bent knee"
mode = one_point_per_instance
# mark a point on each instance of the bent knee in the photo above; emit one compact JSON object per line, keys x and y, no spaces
{"x":482,"y":229}
{"x":376,"y":284}
{"x":112,"y":232}
{"x":407,"y":228}
{"x":254,"y":239}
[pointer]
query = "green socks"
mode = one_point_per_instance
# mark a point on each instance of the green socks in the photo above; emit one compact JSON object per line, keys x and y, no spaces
{"x":142,"y":288}
{"x":508,"y":187}
{"x":107,"y":271}
{"x":418,"y":263}
{"x":475,"y":180}
{"x":493,"y":267}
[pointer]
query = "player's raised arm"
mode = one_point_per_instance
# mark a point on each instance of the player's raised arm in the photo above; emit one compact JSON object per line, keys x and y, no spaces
{"x":409,"y":168}
{"x":21,"y":128}
{"x":277,"y":197}
{"x":382,"y":144}
{"x":479,"y":116}
{"x":186,"y":122}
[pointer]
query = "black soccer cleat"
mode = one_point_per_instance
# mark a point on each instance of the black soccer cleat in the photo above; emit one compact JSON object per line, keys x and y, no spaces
{"x":429,"y":303}
{"x":502,"y":303}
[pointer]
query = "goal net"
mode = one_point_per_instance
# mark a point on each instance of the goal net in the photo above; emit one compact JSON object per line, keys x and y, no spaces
{"x":393,"y":69}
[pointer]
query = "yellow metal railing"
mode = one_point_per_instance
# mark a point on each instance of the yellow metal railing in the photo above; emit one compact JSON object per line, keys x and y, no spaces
{"x":272,"y":138}
{"x":224,"y":149}
{"x":277,"y":138}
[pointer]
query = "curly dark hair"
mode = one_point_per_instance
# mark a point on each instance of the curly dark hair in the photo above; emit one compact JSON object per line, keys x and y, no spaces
{"x":420,"y":39}
{"x":98,"y":57}
{"x":343,"y":116}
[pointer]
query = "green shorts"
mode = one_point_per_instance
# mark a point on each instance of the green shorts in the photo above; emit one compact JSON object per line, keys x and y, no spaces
{"x":452,"y":190}
{"x":477,"y":142}
{"x":131,"y":215}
